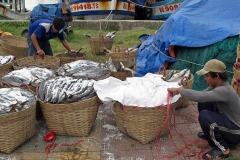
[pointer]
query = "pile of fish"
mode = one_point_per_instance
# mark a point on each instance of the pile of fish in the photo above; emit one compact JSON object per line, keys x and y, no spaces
{"x":84,"y":69}
{"x":15,"y":99}
{"x":6,"y":59}
{"x":30,"y":76}
{"x":65,"y":90}
{"x":175,"y":76}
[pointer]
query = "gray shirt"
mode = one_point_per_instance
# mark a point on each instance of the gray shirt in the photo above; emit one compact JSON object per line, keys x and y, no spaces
{"x":225,"y":96}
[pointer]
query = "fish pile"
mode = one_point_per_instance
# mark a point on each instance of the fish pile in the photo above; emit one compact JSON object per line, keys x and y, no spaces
{"x":65,"y":90}
{"x":175,"y":76}
{"x":30,"y":76}
{"x":15,"y":99}
{"x":84,"y":69}
{"x":6,"y":59}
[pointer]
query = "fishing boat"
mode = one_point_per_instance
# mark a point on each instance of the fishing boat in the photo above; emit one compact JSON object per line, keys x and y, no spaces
{"x":162,"y":9}
{"x":99,"y":9}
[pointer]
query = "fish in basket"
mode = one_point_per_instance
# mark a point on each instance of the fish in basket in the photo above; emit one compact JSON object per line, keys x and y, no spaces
{"x":29,"y":76}
{"x":18,"y":117}
{"x":141,"y":106}
{"x":183,"y":77}
{"x":85,"y":69}
{"x":6,"y":64}
{"x":69,"y":105}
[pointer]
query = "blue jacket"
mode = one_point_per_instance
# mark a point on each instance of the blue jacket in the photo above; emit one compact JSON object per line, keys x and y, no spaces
{"x":43,"y":30}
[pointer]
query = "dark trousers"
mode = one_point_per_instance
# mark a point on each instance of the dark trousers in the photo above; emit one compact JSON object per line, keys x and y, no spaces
{"x":44,"y":45}
{"x":218,"y":129}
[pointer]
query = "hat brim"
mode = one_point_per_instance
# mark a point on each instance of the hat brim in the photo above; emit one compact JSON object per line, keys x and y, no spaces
{"x":202,"y":72}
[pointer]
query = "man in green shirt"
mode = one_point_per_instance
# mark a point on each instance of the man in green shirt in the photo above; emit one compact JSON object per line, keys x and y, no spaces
{"x":219,"y":109}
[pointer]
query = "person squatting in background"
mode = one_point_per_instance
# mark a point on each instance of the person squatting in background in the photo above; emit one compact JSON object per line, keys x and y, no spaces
{"x":219,"y":109}
{"x":41,"y":31}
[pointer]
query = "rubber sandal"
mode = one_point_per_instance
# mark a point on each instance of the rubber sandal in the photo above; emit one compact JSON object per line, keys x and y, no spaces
{"x":215,"y":154}
{"x":201,"y":135}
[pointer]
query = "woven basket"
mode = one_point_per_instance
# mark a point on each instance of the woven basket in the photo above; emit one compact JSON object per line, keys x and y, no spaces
{"x":14,"y":42}
{"x":140,"y":123}
{"x":16,"y":128}
{"x":47,"y":62}
{"x":8,"y":51}
{"x":66,"y":58}
{"x":98,"y":43}
{"x":120,"y":55}
{"x":182,"y":102}
{"x":4,"y":69}
{"x":122,"y":75}
{"x":14,"y":45}
{"x":236,"y":73}
{"x":73,"y":119}
{"x":236,"y":86}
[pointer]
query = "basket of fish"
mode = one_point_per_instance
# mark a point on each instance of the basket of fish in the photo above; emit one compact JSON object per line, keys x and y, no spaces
{"x":69,"y":105}
{"x":98,"y":43}
{"x":183,"y":77}
{"x":16,"y":46}
{"x":68,"y":57}
{"x":46,"y":61}
{"x":28,"y":76}
{"x":125,"y":56}
{"x":6,"y":64}
{"x":85,"y":69}
{"x":18,"y":117}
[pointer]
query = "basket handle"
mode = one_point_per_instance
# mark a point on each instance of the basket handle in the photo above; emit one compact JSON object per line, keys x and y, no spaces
{"x":25,"y":85}
{"x":7,"y":84}
{"x":164,"y":70}
{"x":184,"y":81}
{"x":101,"y":37}
{"x":117,"y":47}
{"x":36,"y":54}
{"x":126,"y":51}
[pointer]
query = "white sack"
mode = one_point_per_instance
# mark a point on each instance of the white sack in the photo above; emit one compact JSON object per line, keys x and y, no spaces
{"x":147,"y":91}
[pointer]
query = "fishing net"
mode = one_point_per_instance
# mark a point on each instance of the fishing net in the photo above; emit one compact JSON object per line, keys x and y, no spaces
{"x":194,"y":58}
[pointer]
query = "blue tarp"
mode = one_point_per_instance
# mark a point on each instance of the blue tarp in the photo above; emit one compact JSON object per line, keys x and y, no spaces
{"x":196,"y":23}
{"x":47,"y":11}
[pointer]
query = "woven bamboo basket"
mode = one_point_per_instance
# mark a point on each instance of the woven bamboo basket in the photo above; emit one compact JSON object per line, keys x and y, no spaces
{"x":16,"y":128}
{"x":122,"y":55}
{"x":11,"y":51}
{"x":4,"y":69}
{"x":182,"y":102}
{"x":236,"y":86}
{"x":236,"y":73}
{"x":98,"y":43}
{"x":140,"y":123}
{"x":122,"y":75}
{"x":14,"y":42}
{"x":66,"y":58}
{"x":46,"y":62}
{"x":73,"y":119}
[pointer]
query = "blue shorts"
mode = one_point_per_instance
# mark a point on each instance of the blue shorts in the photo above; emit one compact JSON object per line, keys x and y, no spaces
{"x":44,"y":45}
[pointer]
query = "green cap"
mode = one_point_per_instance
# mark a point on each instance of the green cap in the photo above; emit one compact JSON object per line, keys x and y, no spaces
{"x":213,"y":65}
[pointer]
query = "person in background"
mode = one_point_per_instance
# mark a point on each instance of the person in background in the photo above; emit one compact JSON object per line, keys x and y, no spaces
{"x":219,"y":109}
{"x":41,"y":31}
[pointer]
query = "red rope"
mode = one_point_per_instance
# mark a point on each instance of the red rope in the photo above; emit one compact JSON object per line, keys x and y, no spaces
{"x":183,"y":149}
{"x":54,"y":145}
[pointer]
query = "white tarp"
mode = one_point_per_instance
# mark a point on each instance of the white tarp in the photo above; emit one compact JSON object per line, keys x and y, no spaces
{"x":147,"y":91}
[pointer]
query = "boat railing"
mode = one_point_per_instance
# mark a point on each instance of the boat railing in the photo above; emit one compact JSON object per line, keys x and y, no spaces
{"x":15,"y":5}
